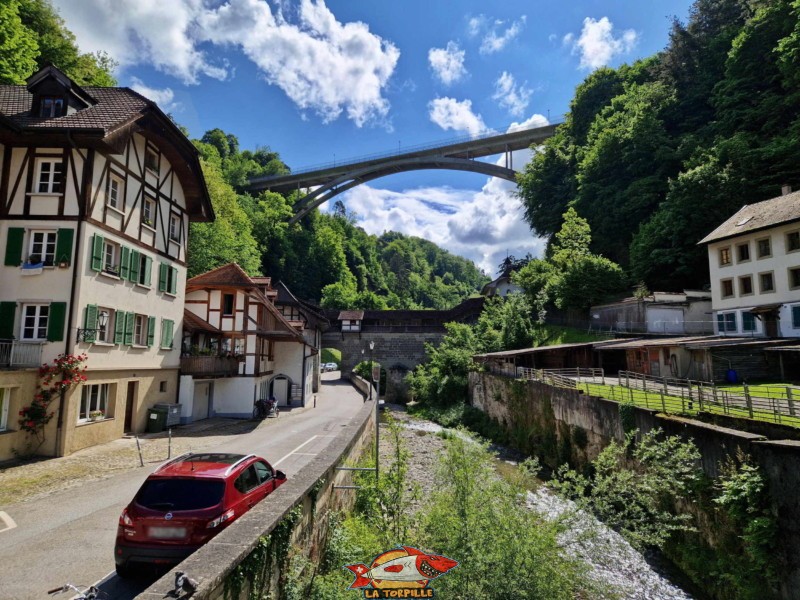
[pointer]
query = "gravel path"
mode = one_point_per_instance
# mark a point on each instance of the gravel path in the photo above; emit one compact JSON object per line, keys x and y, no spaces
{"x":613,"y":561}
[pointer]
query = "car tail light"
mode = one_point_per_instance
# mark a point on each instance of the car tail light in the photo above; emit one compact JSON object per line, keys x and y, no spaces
{"x":228,"y":514}
{"x":124,"y":519}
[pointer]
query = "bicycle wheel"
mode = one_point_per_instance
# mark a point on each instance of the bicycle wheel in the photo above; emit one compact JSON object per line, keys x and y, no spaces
{"x":257,"y":412}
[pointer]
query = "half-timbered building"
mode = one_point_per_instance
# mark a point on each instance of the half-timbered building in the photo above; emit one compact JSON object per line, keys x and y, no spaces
{"x":240,"y":348}
{"x":97,"y":189}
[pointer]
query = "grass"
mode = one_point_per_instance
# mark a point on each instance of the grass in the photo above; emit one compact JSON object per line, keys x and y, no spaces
{"x":331,"y":355}
{"x":778,"y":391}
{"x":683,"y":406}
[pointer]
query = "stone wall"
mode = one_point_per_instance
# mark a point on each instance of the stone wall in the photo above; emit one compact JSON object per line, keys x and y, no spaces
{"x":562,"y":425}
{"x":397,"y":353}
{"x":214,"y":563}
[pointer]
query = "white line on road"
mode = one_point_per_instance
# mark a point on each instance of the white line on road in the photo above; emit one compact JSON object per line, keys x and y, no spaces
{"x":6,"y":519}
{"x":308,"y":441}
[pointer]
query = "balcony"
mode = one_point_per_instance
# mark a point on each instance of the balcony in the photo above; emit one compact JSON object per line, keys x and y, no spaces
{"x":20,"y":355}
{"x":209,"y":366}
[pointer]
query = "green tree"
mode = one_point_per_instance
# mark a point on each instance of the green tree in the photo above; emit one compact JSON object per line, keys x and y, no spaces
{"x":18,"y":47}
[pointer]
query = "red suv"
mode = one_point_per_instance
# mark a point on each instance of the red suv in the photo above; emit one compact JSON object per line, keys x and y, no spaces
{"x":187,"y":501}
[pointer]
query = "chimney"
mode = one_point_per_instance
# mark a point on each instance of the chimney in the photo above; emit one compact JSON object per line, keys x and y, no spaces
{"x":786,"y":189}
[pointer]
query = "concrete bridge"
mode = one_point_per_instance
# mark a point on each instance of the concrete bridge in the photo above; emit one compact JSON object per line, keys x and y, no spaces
{"x":332,"y":179}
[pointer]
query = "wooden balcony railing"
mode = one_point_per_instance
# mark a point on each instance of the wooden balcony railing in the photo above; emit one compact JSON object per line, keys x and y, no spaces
{"x":209,"y":366}
{"x":14,"y":354}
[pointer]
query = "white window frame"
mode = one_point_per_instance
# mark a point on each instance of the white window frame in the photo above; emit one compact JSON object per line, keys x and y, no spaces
{"x":149,"y":212}
{"x":114,"y":197}
{"x":94,"y":396}
{"x":40,"y":322}
{"x":140,"y":330}
{"x":5,"y":400}
{"x":175,"y":227}
{"x":50,"y":180}
{"x":105,"y":336}
{"x":744,"y":321}
{"x":112,"y":250}
{"x":47,"y":245}
{"x":55,"y":104}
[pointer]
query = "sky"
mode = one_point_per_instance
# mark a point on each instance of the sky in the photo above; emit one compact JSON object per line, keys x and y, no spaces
{"x":321,"y":82}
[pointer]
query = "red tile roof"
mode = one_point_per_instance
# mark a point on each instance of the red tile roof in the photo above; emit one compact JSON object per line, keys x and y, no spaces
{"x":227,"y":275}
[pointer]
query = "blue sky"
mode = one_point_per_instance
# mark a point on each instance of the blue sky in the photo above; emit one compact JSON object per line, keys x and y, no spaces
{"x":322,"y":81}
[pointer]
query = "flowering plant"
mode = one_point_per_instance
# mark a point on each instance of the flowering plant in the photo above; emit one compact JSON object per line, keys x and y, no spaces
{"x":65,"y":372}
{"x":95,"y":414}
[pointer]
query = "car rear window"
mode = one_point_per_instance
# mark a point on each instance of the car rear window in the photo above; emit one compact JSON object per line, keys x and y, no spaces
{"x":180,"y":494}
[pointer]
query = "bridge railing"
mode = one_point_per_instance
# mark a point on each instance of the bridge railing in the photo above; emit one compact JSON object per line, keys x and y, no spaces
{"x":408,"y":149}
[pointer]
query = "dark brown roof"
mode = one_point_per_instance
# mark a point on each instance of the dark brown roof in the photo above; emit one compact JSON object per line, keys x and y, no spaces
{"x":351,"y":315}
{"x":231,"y":275}
{"x":191,"y":322}
{"x":265,"y":281}
{"x":761,"y":215}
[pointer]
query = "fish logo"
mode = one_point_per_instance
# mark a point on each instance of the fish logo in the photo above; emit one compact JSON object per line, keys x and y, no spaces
{"x":403,"y":567}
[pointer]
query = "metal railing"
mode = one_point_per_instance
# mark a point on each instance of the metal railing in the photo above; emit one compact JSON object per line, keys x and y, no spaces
{"x":20,"y":354}
{"x":567,"y":378}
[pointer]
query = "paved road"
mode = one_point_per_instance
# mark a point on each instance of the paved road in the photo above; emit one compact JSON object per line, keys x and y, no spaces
{"x":69,"y":536}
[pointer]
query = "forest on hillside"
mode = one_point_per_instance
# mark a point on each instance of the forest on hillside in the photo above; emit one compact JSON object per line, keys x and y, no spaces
{"x":656,"y":154}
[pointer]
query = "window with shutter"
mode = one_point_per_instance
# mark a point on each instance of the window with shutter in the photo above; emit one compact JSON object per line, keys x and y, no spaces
{"x":64,"y":246}
{"x":7,"y":310}
{"x":162,"y":277}
{"x":145,"y":277}
{"x":151,"y":330}
{"x":97,"y":253}
{"x":173,"y":280}
{"x":129,"y":328}
{"x":135,"y":260}
{"x":124,"y":262}
{"x":119,"y":327}
{"x":167,"y":332}
{"x":90,"y":323}
{"x":14,"y":246}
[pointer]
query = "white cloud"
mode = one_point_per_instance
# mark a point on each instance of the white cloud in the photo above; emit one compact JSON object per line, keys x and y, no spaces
{"x":449,"y":113}
{"x":597,"y":45}
{"x":447,"y":63}
{"x":483,"y":225}
{"x":321,"y":64}
{"x":164,"y":97}
{"x":509,"y":95}
{"x":475,"y":25}
{"x":495,"y":40}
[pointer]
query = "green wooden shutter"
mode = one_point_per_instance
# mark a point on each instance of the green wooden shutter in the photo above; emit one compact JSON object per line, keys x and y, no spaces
{"x":64,"y":245}
{"x":167,"y":332}
{"x":134,"y":266}
{"x":151,"y":330}
{"x":119,"y":327}
{"x":7,"y":310}
{"x":55,"y":321}
{"x":173,"y":280}
{"x":162,"y":277}
{"x":97,"y":253}
{"x":90,"y":322}
{"x":124,"y":259}
{"x":148,"y":270}
{"x":14,"y":246}
{"x":129,"y":319}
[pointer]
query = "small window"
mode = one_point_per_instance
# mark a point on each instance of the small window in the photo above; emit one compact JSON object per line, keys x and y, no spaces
{"x":149,"y":212}
{"x":793,"y":241}
{"x":151,"y":160}
{"x":175,"y":228}
{"x":743,"y":252}
{"x":227,"y":304}
{"x":49,"y":173}
{"x":140,"y":330}
{"x":724,"y":256}
{"x":745,"y":285}
{"x":162,"y":386}
{"x":145,"y":266}
{"x":51,"y":107}
{"x":796,"y":317}
{"x":114,"y":192}
{"x":5,"y":400}
{"x":42,"y":247}
{"x":748,"y":322}
{"x":111,"y":257}
{"x":794,"y":278}
{"x":764,"y":248}
{"x":105,"y":324}
{"x":767,"y":282}
{"x":94,"y":398}
{"x":726,"y":288}
{"x":34,"y":321}
{"x":726,"y":322}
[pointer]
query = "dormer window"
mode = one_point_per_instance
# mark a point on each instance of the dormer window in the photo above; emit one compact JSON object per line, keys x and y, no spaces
{"x":51,"y":106}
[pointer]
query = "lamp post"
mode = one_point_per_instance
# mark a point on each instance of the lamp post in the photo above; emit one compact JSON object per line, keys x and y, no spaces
{"x":90,"y":335}
{"x":377,"y":402}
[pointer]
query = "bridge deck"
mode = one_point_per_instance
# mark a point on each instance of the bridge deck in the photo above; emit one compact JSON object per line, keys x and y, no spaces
{"x":470,"y":149}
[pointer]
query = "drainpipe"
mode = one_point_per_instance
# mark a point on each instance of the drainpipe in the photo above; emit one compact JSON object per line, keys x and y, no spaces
{"x":73,"y":287}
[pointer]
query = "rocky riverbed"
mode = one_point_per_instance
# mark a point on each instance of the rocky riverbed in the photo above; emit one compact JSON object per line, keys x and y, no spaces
{"x":614,"y":563}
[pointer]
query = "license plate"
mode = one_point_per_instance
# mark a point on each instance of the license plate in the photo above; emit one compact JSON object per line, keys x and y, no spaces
{"x":167,"y":533}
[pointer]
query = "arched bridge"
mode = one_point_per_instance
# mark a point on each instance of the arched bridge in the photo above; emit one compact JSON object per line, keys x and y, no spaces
{"x":333,"y":179}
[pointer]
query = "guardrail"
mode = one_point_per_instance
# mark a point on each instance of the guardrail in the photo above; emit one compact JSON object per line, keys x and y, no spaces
{"x":20,"y":354}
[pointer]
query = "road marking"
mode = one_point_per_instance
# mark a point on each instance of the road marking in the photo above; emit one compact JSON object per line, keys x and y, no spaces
{"x":6,"y":519}
{"x":308,"y":441}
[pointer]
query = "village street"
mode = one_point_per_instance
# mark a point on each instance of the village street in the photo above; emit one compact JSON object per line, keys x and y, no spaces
{"x":68,"y":535}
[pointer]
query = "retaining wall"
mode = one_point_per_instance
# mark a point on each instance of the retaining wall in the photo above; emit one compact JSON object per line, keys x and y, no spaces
{"x":562,"y":425}
{"x":212,"y":564}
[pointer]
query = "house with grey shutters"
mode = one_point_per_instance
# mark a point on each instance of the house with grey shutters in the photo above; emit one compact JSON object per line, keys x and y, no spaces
{"x":97,"y":189}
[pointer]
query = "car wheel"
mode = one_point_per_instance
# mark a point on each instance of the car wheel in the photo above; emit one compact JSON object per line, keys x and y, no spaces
{"x":126,"y":570}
